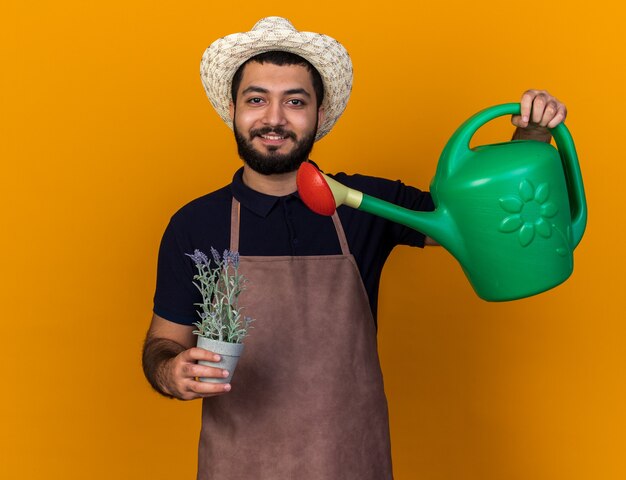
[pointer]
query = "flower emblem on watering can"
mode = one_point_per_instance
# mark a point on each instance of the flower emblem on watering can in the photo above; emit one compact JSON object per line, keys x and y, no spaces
{"x":529,"y":212}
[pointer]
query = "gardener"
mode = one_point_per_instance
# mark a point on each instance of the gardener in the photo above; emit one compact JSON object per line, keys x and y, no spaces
{"x":307,"y":398}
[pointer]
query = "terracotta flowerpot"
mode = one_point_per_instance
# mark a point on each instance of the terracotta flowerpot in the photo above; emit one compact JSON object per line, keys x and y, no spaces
{"x":230,"y":353}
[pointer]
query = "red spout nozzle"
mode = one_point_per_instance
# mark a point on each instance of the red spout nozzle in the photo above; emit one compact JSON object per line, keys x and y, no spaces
{"x":314,"y":191}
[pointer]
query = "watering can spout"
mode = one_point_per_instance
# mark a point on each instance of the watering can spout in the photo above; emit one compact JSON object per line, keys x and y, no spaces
{"x":323,"y":195}
{"x":437,"y":224}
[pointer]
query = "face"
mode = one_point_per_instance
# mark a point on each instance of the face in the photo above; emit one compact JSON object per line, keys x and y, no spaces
{"x":275,"y":118}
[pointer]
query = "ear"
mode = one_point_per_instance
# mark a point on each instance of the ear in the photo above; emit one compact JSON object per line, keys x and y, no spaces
{"x":231,"y":111}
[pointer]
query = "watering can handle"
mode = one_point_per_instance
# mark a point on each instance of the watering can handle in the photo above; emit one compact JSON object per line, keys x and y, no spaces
{"x":458,"y":145}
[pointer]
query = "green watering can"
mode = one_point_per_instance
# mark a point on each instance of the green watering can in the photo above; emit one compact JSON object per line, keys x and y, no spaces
{"x":511,"y":213}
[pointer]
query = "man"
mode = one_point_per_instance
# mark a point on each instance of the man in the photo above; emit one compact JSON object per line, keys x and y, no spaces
{"x":307,"y":399}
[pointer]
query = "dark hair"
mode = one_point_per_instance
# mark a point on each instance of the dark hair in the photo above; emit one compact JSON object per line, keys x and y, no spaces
{"x":280,"y":58}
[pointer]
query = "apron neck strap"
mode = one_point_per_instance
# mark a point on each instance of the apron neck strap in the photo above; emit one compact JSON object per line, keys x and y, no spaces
{"x":235,"y":219}
{"x":341,"y":234}
{"x":235,"y":215}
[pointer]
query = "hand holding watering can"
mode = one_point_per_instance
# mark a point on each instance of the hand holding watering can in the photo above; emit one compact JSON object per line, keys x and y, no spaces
{"x":511,"y":213}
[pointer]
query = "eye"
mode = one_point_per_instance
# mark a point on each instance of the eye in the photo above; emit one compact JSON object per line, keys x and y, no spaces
{"x":255,"y":100}
{"x":296,"y":102}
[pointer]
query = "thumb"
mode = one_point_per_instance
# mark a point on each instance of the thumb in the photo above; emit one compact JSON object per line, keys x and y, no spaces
{"x":518,"y":121}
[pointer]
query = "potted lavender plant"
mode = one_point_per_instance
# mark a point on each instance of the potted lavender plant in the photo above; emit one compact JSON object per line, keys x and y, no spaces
{"x":222,"y":327}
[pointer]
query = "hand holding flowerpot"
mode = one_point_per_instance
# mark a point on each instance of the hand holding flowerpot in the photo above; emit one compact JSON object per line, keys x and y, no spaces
{"x":229,"y":353}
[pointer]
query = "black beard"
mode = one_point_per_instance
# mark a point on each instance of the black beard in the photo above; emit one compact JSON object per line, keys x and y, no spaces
{"x":272,"y":162}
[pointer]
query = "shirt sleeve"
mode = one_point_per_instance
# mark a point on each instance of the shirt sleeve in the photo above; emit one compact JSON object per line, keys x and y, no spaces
{"x":175,"y":293}
{"x":413,"y":199}
{"x":396,"y":192}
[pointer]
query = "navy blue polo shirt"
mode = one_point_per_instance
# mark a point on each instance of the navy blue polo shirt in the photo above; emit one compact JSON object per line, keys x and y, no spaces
{"x":277,"y":226}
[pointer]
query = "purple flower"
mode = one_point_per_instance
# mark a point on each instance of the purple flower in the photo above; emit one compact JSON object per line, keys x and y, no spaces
{"x":198,"y":257}
{"x":231,"y":258}
{"x":216,"y":255}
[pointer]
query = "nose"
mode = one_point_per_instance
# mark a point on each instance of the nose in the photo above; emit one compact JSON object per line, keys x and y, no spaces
{"x":274,"y":115}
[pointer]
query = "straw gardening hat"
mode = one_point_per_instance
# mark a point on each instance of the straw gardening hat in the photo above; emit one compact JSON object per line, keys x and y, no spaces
{"x":224,"y":56}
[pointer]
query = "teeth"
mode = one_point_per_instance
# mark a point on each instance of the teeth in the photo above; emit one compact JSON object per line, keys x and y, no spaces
{"x":272,"y":137}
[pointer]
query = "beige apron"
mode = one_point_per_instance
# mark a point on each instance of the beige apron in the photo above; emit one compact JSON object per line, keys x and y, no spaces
{"x":307,"y":399}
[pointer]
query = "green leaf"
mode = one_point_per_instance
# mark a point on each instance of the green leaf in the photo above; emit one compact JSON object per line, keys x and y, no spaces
{"x":543,"y":228}
{"x":526,"y":190}
{"x":542,"y":193}
{"x":512,"y":204}
{"x":549,"y":210}
{"x":511,"y":223}
{"x":526,"y":234}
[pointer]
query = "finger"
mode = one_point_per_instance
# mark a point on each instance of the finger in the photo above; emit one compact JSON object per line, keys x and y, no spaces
{"x":516,"y":120}
{"x":207,"y":389}
{"x":550,"y":110}
{"x":538,"y":108}
{"x":560,"y":116}
{"x":200,"y":354}
{"x":526,"y":104}
{"x":193,"y":370}
{"x":194,"y":389}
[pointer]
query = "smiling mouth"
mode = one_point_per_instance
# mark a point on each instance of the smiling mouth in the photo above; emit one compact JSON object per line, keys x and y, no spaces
{"x":269,"y":134}
{"x":274,"y":137}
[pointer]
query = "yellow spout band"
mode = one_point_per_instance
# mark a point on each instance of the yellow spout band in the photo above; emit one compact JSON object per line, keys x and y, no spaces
{"x":344,"y":195}
{"x":353,"y":198}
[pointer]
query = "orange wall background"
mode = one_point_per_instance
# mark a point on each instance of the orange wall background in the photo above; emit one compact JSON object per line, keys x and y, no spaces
{"x":106,"y":131}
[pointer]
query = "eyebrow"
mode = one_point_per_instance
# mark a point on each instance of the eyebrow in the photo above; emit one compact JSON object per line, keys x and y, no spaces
{"x":292,"y":91}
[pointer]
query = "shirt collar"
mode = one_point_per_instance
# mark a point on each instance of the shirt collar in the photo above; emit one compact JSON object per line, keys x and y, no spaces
{"x":260,"y":203}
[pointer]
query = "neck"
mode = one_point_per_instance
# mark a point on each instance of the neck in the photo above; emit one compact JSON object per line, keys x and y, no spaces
{"x":277,"y":185}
